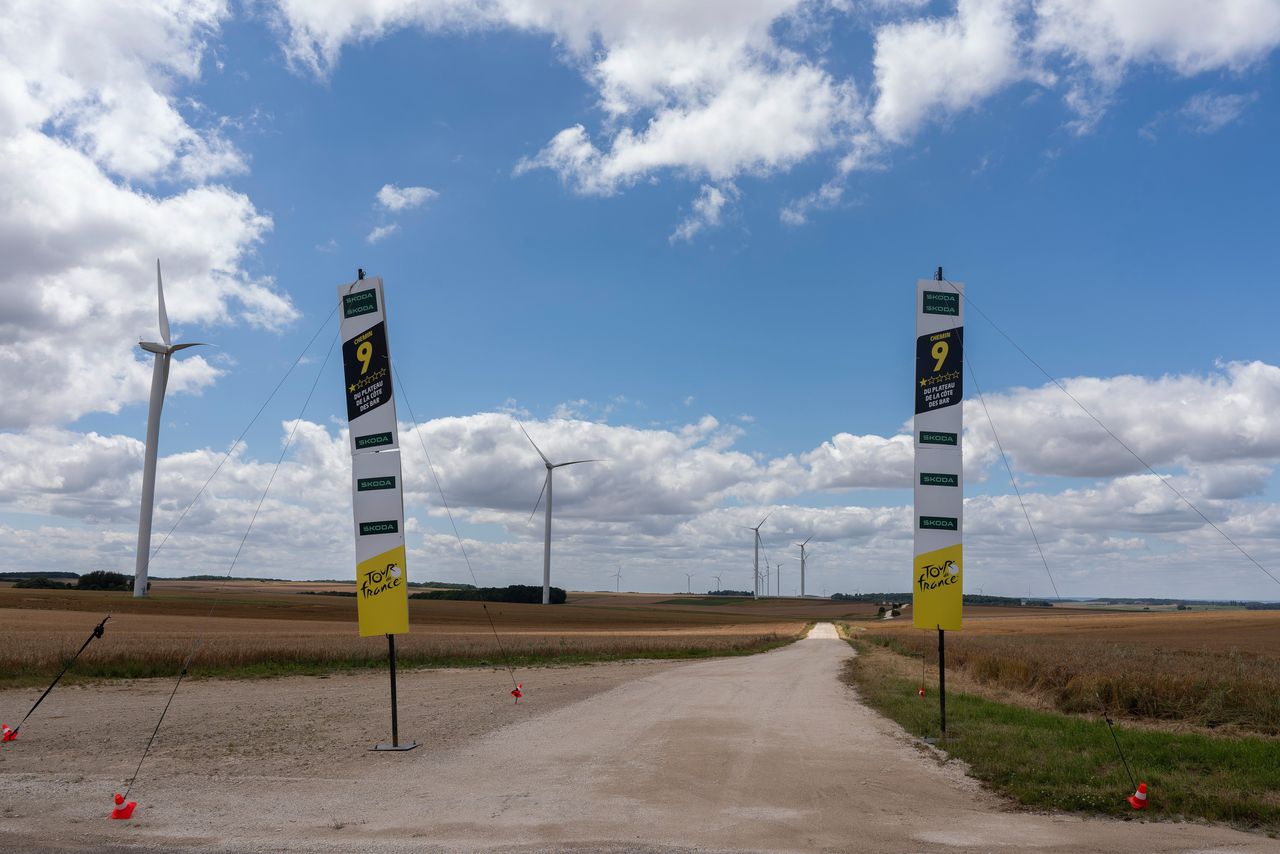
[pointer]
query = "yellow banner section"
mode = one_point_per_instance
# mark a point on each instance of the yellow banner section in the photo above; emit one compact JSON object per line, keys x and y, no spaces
{"x":382,"y":590}
{"x":938,"y":589}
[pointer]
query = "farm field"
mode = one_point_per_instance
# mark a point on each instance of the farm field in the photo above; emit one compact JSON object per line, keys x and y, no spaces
{"x":1214,"y":670}
{"x":251,"y":628}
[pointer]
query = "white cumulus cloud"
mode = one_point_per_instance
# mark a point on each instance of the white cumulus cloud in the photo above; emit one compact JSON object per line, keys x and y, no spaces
{"x":395,"y":198}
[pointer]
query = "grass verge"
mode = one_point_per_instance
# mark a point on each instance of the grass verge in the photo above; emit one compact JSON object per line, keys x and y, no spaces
{"x":225,"y":660}
{"x":1214,"y":689}
{"x":1055,"y":761}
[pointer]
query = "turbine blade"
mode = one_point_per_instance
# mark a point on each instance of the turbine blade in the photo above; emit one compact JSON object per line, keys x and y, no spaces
{"x":535,"y":444}
{"x":176,"y":347}
{"x":541,"y":492}
{"x":766,"y":516}
{"x":164,"y":315}
{"x":806,"y":542}
{"x":574,"y":463}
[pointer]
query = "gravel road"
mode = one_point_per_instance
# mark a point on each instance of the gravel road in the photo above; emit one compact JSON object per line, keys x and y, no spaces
{"x":761,"y":753}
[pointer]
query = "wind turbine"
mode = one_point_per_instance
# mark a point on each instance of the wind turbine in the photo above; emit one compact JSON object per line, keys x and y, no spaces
{"x":546,"y":487}
{"x":718,"y":587}
{"x":756,"y":564}
{"x":688,"y":580}
{"x":802,"y":545}
{"x":618,"y":576}
{"x":159,"y":381}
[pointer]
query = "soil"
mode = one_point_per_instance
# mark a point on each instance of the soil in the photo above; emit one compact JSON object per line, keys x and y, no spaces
{"x":769,"y":752}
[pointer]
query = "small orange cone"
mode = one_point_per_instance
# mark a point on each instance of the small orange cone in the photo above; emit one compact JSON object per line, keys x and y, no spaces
{"x":123,"y":810}
{"x":8,"y":734}
{"x":516,"y":692}
{"x":1138,"y":800}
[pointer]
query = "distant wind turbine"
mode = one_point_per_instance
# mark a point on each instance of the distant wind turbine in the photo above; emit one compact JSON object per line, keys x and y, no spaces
{"x":546,"y":488}
{"x":802,"y":545}
{"x":718,"y":587}
{"x":756,"y":564}
{"x":159,"y":381}
{"x":618,"y":576}
{"x":688,"y":577}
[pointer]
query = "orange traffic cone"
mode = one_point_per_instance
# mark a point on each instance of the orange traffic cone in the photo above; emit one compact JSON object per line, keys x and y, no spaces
{"x":1138,"y":800}
{"x":123,"y":810}
{"x":8,"y":734}
{"x":516,"y":692}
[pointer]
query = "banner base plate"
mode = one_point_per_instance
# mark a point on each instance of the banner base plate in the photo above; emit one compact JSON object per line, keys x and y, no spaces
{"x":384,"y":746}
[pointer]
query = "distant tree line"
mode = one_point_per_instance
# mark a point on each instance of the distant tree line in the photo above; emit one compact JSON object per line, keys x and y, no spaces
{"x":99,"y":580}
{"x":515,"y":593}
{"x":729,"y":593}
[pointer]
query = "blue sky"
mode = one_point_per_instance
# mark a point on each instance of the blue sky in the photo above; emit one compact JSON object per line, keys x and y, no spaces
{"x":653,"y":288}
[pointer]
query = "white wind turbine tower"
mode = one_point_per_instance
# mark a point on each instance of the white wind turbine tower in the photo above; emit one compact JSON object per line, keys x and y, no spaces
{"x":802,"y":545}
{"x":159,"y":381}
{"x":618,"y":576}
{"x":546,"y":488}
{"x":688,"y":580}
{"x":756,"y":564}
{"x":718,"y":585}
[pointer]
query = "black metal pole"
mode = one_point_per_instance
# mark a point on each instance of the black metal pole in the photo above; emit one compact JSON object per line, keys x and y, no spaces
{"x":942,"y":680}
{"x":395,"y":723}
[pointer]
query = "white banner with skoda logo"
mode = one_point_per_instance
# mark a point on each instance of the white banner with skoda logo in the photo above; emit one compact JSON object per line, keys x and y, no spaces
{"x":382,"y":580}
{"x":937,"y":581}
{"x":366,"y":366}
{"x":377,"y":498}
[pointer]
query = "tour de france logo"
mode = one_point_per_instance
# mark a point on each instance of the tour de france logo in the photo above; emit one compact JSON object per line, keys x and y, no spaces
{"x":378,"y":580}
{"x":933,"y":577}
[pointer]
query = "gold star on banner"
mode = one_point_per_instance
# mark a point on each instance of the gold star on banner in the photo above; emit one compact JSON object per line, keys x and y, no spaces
{"x":351,"y":388}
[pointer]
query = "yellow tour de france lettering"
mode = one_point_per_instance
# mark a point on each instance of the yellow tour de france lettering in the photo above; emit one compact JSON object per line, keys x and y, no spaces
{"x":938,"y":589}
{"x":382,"y":594}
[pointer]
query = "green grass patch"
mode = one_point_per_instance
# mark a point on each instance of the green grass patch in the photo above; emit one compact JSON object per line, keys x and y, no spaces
{"x":1055,"y":761}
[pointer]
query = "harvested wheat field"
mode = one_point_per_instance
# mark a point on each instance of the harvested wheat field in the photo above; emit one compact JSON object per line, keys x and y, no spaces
{"x":1207,"y":669}
{"x":275,"y":628}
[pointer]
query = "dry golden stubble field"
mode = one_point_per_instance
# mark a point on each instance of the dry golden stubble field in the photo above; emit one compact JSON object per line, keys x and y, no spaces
{"x":1212,"y":670}
{"x":250,"y":628}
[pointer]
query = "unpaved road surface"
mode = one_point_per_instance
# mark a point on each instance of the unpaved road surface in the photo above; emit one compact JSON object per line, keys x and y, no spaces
{"x":761,"y":753}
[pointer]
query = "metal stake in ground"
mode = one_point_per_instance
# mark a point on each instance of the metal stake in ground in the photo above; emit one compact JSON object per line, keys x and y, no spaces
{"x":395,"y":721}
{"x":96,"y":633}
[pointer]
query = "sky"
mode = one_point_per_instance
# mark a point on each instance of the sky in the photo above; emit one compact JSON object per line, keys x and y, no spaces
{"x":679,"y":237}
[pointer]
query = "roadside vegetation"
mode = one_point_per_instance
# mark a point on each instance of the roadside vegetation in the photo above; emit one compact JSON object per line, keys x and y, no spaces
{"x":1226,"y":687}
{"x":1050,"y":759}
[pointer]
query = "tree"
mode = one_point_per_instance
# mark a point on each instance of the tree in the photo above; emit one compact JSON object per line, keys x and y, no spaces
{"x":103,"y":580}
{"x":40,"y":582}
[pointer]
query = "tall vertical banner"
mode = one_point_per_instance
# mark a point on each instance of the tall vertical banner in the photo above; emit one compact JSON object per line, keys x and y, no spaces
{"x":366,"y":366}
{"x":377,"y":497}
{"x":938,"y":574}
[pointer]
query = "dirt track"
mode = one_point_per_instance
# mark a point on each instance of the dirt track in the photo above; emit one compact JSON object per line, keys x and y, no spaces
{"x":762,"y":753}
